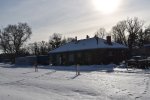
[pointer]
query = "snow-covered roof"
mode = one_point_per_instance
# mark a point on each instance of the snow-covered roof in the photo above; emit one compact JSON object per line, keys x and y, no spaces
{"x":86,"y":44}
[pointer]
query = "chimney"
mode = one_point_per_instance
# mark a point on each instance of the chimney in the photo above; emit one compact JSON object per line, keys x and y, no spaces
{"x":87,"y":37}
{"x":76,"y":39}
{"x":96,"y":37}
{"x":108,"y":38}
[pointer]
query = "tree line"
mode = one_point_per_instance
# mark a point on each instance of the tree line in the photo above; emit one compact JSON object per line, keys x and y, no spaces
{"x":130,"y":32}
{"x":43,"y":47}
{"x":13,"y":40}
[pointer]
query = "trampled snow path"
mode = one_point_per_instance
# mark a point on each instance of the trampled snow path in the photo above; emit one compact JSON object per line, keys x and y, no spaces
{"x":50,"y":84}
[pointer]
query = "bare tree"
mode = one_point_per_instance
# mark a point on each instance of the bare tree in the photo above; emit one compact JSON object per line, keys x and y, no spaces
{"x":13,"y":37}
{"x":55,"y":40}
{"x":38,"y":48}
{"x":4,"y":40}
{"x":134,"y":26}
{"x":119,"y":33}
{"x":33,"y":48}
{"x":144,"y":37}
{"x":101,"y":33}
{"x":43,"y":47}
{"x":69,"y":39}
{"x":147,"y":36}
{"x":129,"y":32}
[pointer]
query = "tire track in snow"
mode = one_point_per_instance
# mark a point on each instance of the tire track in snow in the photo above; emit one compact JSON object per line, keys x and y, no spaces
{"x":18,"y":81}
{"x":147,"y":85}
{"x":146,"y":88}
{"x":48,"y":73}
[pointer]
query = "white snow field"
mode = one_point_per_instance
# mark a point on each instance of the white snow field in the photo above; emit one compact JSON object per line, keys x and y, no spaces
{"x":60,"y":83}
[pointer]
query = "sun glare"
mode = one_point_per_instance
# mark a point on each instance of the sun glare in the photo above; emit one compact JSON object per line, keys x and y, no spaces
{"x":106,"y":6}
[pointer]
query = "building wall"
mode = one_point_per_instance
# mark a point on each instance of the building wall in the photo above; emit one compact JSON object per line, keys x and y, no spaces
{"x":89,"y":57}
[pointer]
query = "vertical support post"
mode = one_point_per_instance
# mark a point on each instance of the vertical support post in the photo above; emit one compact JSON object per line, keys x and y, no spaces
{"x":36,"y":65}
{"x":77,"y":70}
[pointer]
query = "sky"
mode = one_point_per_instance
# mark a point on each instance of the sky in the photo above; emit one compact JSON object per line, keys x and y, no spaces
{"x":70,"y":17}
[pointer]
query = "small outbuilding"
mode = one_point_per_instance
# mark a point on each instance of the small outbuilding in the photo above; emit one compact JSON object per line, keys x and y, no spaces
{"x":31,"y":60}
{"x":88,"y":52}
{"x":147,"y":49}
{"x":144,"y":51}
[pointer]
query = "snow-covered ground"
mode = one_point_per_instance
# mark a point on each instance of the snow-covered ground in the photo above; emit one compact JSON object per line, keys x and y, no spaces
{"x":60,"y":83}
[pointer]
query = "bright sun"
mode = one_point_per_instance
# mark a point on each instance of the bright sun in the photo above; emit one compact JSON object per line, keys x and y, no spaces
{"x":106,"y":6}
